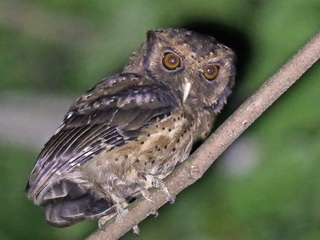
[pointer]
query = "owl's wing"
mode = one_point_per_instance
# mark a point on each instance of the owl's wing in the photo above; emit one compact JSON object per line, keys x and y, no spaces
{"x":100,"y":120}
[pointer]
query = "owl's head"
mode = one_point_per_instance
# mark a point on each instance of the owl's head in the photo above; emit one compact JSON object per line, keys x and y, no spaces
{"x":197,"y":66}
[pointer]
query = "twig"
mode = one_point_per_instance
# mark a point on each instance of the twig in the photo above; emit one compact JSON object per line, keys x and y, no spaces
{"x":197,"y":164}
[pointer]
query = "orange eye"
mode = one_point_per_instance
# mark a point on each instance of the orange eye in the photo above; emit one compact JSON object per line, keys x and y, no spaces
{"x":211,"y":71}
{"x":171,"y":61}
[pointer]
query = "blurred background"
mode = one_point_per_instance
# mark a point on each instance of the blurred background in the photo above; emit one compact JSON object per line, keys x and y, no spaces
{"x":266,"y":186}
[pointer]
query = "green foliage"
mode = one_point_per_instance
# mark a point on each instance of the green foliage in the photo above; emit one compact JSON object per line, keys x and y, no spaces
{"x":277,"y":198}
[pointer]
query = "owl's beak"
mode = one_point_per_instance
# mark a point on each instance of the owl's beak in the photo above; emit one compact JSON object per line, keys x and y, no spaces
{"x":186,"y":89}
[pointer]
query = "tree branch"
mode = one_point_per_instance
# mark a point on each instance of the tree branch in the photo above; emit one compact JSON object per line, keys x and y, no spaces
{"x":197,"y":164}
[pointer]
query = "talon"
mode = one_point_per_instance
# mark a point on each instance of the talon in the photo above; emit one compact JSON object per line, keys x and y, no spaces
{"x":172,"y":199}
{"x":136,"y":230}
{"x":158,"y":183}
{"x":121,"y":214}
{"x":145,"y":194}
{"x":154,"y":212}
{"x":101,"y":224}
{"x":103,"y":220}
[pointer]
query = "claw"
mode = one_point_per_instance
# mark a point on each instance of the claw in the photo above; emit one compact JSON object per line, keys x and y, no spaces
{"x":103,"y":220}
{"x":154,"y":212}
{"x":136,"y":230}
{"x":146,"y":195}
{"x":121,"y":213}
{"x":158,"y":183}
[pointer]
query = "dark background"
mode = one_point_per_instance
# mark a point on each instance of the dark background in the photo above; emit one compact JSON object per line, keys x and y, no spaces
{"x":266,"y":186}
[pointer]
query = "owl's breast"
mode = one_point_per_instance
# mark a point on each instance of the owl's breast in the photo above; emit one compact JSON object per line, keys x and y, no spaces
{"x":165,"y":144}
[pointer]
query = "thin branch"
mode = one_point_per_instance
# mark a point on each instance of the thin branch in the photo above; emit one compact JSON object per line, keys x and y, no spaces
{"x":197,"y":164}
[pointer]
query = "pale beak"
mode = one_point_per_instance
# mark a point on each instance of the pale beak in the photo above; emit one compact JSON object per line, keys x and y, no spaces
{"x":186,"y":89}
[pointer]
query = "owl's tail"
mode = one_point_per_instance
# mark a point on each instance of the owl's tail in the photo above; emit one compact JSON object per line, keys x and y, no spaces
{"x":66,"y":204}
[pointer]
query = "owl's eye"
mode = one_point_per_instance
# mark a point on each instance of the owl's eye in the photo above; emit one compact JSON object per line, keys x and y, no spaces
{"x":171,"y":61}
{"x":211,"y":71}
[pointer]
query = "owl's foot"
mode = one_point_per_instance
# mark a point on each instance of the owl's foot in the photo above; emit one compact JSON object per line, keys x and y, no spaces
{"x":153,"y":181}
{"x":103,"y":220}
{"x":146,"y":195}
{"x":136,"y":230}
{"x":121,"y":211}
{"x":171,"y":198}
{"x":154,"y":212}
{"x":120,"y":204}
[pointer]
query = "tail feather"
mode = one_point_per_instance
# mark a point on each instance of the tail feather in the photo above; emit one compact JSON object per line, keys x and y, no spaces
{"x":63,"y":189}
{"x":66,"y":203}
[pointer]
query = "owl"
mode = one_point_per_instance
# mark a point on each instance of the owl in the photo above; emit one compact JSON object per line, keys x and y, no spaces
{"x":129,"y":131}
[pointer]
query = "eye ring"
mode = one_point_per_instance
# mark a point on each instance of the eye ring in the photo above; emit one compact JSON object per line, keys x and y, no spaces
{"x":171,"y":61}
{"x":210,"y":71}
